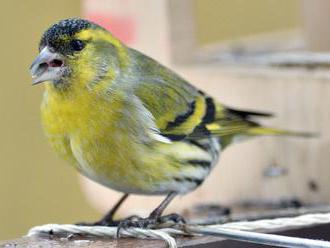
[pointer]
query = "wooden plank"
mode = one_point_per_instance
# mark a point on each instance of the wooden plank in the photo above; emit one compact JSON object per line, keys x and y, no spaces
{"x":316,"y":16}
{"x":37,"y":242}
{"x":45,"y":242}
{"x":315,"y":232}
{"x":182,"y":36}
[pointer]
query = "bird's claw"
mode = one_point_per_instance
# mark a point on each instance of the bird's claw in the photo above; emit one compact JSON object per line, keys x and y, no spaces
{"x":170,"y":220}
{"x":135,"y":221}
{"x":150,"y":222}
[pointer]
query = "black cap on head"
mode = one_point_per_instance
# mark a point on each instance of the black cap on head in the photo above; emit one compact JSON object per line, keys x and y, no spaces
{"x":67,"y":27}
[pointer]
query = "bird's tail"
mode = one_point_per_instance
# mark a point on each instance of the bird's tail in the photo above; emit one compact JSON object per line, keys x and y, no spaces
{"x":261,"y":130}
{"x":251,"y":127}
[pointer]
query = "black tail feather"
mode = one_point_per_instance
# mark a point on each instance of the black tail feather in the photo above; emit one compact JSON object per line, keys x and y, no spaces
{"x":246,"y":114}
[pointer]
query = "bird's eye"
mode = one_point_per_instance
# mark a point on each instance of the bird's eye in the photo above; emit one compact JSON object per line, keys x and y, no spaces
{"x":77,"y":45}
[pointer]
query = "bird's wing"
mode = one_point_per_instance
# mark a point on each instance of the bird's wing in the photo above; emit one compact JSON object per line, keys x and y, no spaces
{"x":175,"y":109}
{"x":181,"y":111}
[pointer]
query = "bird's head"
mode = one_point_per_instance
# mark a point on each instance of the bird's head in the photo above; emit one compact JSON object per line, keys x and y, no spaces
{"x":77,"y":50}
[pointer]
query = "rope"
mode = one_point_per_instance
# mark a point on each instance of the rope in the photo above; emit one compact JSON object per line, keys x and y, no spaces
{"x":271,"y":224}
{"x":241,"y":231}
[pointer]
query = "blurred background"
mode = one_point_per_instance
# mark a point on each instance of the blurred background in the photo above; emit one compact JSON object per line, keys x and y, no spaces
{"x":267,"y":55}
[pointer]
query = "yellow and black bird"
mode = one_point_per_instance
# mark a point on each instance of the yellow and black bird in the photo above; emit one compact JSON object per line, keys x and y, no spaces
{"x":128,"y":122}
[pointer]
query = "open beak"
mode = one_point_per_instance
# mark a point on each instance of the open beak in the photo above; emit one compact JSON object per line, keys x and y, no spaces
{"x":48,"y":66}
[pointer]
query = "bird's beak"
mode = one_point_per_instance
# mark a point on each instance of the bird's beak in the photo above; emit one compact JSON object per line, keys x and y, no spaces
{"x":48,"y":66}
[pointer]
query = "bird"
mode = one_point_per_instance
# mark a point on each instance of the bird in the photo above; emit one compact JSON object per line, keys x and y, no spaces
{"x":128,"y":122}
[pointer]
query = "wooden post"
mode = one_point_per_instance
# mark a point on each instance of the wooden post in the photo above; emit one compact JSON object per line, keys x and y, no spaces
{"x":317,"y":18}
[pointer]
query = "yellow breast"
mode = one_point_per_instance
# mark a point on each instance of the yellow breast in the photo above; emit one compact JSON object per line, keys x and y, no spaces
{"x":91,"y":132}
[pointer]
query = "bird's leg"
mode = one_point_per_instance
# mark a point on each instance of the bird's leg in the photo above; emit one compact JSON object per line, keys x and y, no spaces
{"x":157,"y":213}
{"x":108,"y":220}
{"x":160,"y":209}
{"x":155,"y":218}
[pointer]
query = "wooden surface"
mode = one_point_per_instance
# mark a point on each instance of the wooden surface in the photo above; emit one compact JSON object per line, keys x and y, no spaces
{"x":316,"y":232}
{"x":123,"y":243}
{"x":316,"y":15}
{"x":35,"y":242}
